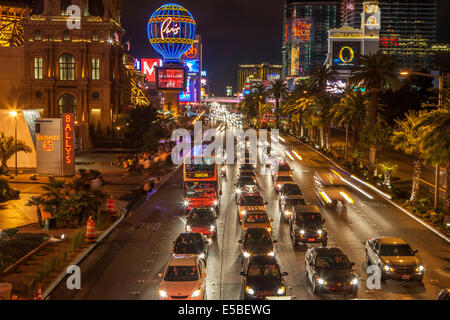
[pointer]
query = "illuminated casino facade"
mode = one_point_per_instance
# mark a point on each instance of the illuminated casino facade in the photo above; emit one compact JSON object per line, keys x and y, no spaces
{"x":408,"y":28}
{"x":255,"y":72}
{"x":305,"y":34}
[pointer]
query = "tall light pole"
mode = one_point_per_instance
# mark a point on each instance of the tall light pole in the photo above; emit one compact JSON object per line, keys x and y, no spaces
{"x":441,"y":87}
{"x":14,"y":114}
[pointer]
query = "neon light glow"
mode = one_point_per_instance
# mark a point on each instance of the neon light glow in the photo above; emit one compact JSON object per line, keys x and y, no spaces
{"x":289,"y":155}
{"x":371,"y":187}
{"x":171,"y":31}
{"x":297,"y":155}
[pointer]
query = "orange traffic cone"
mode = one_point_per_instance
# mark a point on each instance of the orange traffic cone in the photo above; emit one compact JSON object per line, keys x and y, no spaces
{"x":110,"y":205}
{"x":39,"y":293}
{"x":90,"y":230}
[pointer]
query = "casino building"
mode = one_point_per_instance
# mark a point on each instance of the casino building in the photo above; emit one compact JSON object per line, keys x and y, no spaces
{"x":256,"y":72}
{"x":61,"y":67}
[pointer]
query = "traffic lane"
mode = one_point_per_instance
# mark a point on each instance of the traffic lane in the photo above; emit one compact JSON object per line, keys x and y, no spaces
{"x":378,"y":217}
{"x":130,"y":258}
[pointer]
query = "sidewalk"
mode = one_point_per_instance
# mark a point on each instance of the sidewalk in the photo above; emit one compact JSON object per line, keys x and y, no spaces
{"x":15,"y":214}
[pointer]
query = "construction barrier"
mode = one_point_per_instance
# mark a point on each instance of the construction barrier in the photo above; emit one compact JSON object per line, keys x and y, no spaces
{"x":110,"y":205}
{"x":90,"y":230}
{"x":39,"y":292}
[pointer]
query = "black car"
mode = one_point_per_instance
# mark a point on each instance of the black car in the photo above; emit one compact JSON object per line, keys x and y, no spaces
{"x":444,"y":294}
{"x":257,"y":241}
{"x":305,"y":226}
{"x":287,"y":204}
{"x":263,"y":278}
{"x":245,"y":184}
{"x":330,"y":271}
{"x":191,"y":243}
{"x":202,"y":220}
{"x":290,"y":189}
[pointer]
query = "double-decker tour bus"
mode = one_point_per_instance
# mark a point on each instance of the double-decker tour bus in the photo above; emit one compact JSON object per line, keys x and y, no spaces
{"x":201,"y":182}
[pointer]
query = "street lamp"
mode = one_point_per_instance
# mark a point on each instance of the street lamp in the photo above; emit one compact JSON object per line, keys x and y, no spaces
{"x":14,"y":114}
{"x":440,"y":78}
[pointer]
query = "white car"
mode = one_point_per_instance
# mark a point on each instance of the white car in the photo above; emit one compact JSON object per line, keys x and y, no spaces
{"x":183,"y":279}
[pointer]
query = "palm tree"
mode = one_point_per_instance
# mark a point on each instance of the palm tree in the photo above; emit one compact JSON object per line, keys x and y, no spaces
{"x":437,"y":142}
{"x":278,"y":91}
{"x":36,"y":201}
{"x":8,"y":149}
{"x":321,"y":75}
{"x":387,"y":169}
{"x":351,"y":111}
{"x":377,"y":73}
{"x":260,"y":96}
{"x":409,"y":138}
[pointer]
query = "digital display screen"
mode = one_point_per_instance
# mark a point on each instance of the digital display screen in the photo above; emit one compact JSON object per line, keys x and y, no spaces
{"x":171,"y":78}
{"x":346,"y":54}
{"x":193,"y":65}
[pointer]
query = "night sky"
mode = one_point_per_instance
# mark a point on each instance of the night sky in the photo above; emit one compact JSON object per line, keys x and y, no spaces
{"x":234,"y":32}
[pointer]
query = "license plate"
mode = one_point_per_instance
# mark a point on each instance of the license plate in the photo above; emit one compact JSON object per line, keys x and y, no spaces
{"x":311,"y":239}
{"x":406,"y":277}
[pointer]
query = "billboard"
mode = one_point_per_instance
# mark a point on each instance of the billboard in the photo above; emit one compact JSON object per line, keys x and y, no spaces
{"x":148,"y":67}
{"x":345,"y":54}
{"x":298,"y":30}
{"x":190,"y":93}
{"x":68,"y":167}
{"x":171,"y":78}
{"x":193,"y":53}
{"x":193,"y":66}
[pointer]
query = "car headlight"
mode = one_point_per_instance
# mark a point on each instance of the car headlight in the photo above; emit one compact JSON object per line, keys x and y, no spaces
{"x":188,"y":228}
{"x":319,"y":232}
{"x":269,"y":229}
{"x":320,"y":281}
{"x":216,"y":202}
{"x":354,"y":282}
{"x":163,"y":294}
{"x":238,"y":191}
{"x":196,"y":293}
{"x":278,"y":186}
{"x":287,"y":213}
{"x":271,"y":254}
{"x":186,"y":203}
{"x":202,"y":256}
{"x":388,"y":268}
{"x":212,"y":228}
{"x":246,"y":254}
{"x":302,"y":231}
{"x":281,"y":290}
{"x":243,"y":212}
{"x":249,"y":290}
{"x":420,"y":268}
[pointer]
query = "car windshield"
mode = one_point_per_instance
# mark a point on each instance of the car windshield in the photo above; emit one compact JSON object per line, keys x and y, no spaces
{"x":295,"y":202}
{"x":249,"y":173}
{"x":264,"y":271}
{"x":188,"y":246}
{"x":201,"y":215}
{"x":256,"y":218}
{"x":247,"y":167}
{"x":181,"y":273}
{"x":333,"y":262}
{"x":284,"y":178}
{"x":396,"y":250}
{"x":252,"y":201}
{"x":243,"y":181}
{"x":284,"y":167}
{"x":289,"y":189}
{"x":257,"y":238}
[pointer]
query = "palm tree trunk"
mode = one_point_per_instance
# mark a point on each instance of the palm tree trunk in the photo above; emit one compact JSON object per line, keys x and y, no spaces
{"x":436,"y":186}
{"x":417,"y":173}
{"x":373,"y":122}
{"x":277,"y":114}
{"x":447,"y":192}
{"x":330,"y":146}
{"x":346,"y":142}
{"x":321,"y":132}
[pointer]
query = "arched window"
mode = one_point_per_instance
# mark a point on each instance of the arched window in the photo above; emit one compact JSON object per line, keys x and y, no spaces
{"x":67,"y":104}
{"x":67,"y":67}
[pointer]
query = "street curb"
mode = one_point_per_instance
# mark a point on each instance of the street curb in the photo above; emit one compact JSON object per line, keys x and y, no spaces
{"x":437,"y":232}
{"x":105,"y":234}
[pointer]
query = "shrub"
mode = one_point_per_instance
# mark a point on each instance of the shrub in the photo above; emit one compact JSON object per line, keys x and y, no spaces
{"x":102,"y":219}
{"x":78,"y":239}
{"x":10,"y":233}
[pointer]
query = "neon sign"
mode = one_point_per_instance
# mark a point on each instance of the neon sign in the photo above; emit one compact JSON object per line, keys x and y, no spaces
{"x":68,"y":144}
{"x":48,"y":146}
{"x":167,"y":30}
{"x":346,"y":58}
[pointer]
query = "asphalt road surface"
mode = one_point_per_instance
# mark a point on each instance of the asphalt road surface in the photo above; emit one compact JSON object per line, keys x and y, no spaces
{"x":127,"y":263}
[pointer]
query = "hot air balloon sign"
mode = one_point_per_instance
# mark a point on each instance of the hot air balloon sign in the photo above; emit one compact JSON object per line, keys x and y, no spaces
{"x":171,"y":31}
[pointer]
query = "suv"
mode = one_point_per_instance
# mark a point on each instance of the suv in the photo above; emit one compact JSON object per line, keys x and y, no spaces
{"x":331,"y":191}
{"x":281,"y":179}
{"x":249,"y":201}
{"x":395,"y":258}
{"x":305,"y":226}
{"x":245,"y":184}
{"x":183,"y":279}
{"x":283,"y":167}
{"x":202,"y":220}
{"x":257,"y":219}
{"x":263,"y":278}
{"x":257,"y":241}
{"x":191,"y":243}
{"x":330,"y":271}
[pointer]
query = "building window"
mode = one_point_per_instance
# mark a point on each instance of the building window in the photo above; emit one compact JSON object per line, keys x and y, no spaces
{"x":95,"y":68}
{"x":37,"y":35}
{"x":38,"y":67}
{"x":66,"y":35}
{"x":67,"y":67}
{"x":68,"y":104}
{"x":64,"y":5}
{"x":95,"y":36}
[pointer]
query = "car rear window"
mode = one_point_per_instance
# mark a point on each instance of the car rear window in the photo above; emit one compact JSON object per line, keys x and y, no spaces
{"x":284,"y":178}
{"x":256,"y":218}
{"x":181,"y":273}
{"x":252,"y":201}
{"x":289,"y":189}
